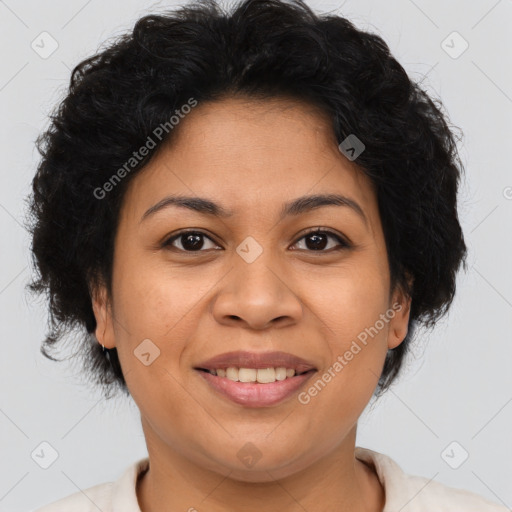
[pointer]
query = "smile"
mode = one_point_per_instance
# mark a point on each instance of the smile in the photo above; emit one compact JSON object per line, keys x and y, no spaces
{"x":252,"y":387}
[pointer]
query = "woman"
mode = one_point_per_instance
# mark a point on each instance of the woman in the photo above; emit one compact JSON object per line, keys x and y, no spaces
{"x":248,"y":214}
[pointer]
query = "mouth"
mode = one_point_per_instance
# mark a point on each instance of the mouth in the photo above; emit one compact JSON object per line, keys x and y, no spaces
{"x":249,"y":362}
{"x":255,"y":379}
{"x":248,"y":390}
{"x":259,"y":375}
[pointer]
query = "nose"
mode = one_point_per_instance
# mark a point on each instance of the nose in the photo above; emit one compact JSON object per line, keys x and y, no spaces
{"x":257,"y":295}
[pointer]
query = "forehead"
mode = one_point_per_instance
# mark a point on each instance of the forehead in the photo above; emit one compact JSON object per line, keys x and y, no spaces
{"x":243,"y":151}
{"x":273,"y":124}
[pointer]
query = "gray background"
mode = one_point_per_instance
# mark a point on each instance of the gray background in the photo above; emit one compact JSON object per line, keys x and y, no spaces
{"x":458,"y":383}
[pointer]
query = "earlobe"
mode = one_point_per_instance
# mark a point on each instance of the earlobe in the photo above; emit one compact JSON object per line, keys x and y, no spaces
{"x":399,"y":324}
{"x":102,"y":313}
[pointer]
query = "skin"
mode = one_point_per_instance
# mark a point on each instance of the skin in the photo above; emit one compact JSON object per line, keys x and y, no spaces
{"x":251,"y":157}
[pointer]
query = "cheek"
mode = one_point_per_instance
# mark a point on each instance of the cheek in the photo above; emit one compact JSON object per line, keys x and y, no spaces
{"x":151,"y":330}
{"x":351,"y":307}
{"x":158,"y":321}
{"x":356,"y":344}
{"x":350,"y":298}
{"x":155,"y":301}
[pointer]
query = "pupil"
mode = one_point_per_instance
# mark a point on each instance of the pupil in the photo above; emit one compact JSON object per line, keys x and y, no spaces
{"x":318,"y":244}
{"x":196,"y":244}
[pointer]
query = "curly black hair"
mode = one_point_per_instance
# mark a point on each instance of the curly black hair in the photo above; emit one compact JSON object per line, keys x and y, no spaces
{"x":261,"y":49}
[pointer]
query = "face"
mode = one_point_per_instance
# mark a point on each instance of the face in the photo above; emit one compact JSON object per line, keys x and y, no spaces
{"x":255,"y":280}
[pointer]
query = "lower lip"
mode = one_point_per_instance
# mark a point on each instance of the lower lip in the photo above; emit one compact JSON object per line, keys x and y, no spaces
{"x":256,"y":394}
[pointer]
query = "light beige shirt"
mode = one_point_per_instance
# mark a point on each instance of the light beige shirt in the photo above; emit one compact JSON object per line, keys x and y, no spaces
{"x":404,"y":493}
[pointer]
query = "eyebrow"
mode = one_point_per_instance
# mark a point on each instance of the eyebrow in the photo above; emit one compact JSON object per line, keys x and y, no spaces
{"x":298,"y":206}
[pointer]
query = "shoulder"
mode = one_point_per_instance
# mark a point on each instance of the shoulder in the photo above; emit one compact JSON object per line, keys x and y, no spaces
{"x":412,"y":493}
{"x":118,"y":496}
{"x":92,"y":499}
{"x":444,"y":498}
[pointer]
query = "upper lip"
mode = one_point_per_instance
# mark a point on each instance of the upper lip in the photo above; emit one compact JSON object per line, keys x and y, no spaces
{"x":245,"y":359}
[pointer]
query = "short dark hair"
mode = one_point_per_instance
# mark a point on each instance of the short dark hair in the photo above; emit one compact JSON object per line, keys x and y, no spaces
{"x":262,"y":49}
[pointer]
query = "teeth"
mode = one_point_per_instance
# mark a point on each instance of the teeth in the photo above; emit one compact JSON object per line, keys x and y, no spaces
{"x":232,"y":373}
{"x":282,"y":373}
{"x":261,"y":375}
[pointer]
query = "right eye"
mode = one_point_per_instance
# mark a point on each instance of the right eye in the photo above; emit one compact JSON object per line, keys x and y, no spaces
{"x":190,"y":241}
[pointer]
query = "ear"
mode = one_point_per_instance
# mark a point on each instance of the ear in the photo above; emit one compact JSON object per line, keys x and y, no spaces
{"x":398,"y":325}
{"x":103,"y":313}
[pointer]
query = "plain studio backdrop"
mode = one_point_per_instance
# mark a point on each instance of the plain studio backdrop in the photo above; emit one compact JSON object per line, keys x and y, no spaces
{"x":449,"y":415}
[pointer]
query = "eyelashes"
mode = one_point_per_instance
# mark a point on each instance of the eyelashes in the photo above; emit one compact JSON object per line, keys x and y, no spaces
{"x":183,"y":234}
{"x":318,"y":232}
{"x":191,"y":241}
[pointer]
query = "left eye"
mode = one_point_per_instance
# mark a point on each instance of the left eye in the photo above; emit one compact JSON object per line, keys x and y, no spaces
{"x":319,"y":240}
{"x":193,"y":241}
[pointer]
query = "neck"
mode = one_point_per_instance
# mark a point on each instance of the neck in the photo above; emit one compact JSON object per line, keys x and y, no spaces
{"x":338,"y":481}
